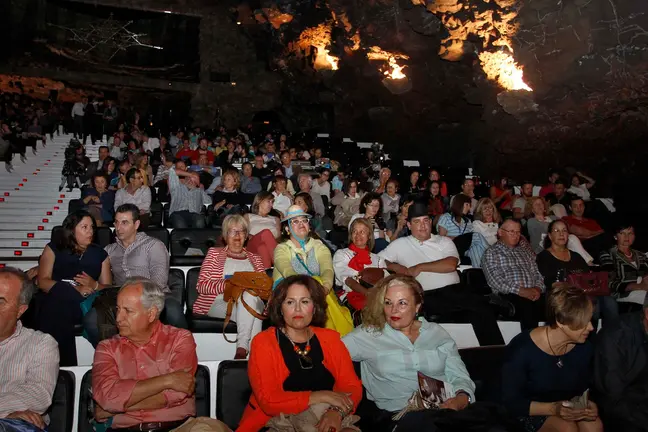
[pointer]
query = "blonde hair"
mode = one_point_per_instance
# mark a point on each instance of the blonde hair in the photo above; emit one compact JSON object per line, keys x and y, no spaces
{"x":235,"y":175}
{"x":373,"y":315}
{"x":365,"y":222}
{"x":569,"y":306}
{"x":233,"y":219}
{"x":528,"y":208}
{"x":479,"y":211}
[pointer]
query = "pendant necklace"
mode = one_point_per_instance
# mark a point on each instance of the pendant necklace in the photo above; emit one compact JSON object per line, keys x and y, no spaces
{"x":559,"y":363}
{"x":304,"y":360}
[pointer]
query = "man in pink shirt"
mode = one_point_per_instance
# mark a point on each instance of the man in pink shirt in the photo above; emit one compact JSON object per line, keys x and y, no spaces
{"x":144,"y":378}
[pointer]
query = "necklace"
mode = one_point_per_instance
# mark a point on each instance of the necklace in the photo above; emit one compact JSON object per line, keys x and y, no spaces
{"x":559,"y":363}
{"x":238,"y":255}
{"x":304,"y":360}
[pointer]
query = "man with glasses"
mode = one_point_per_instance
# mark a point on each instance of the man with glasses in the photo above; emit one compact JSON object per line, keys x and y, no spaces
{"x":433,"y":261}
{"x":511,"y":271}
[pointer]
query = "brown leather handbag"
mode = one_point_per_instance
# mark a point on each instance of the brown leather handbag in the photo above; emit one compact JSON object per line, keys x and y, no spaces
{"x":594,"y":284}
{"x":256,"y":284}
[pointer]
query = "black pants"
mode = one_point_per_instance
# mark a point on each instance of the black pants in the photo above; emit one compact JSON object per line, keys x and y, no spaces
{"x":597,"y":244}
{"x":57,"y":312}
{"x":528,"y":312}
{"x":79,"y":132}
{"x":455,"y":303}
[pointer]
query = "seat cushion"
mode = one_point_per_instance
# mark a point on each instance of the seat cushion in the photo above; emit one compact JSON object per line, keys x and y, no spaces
{"x":232,"y":392}
{"x":61,"y":412}
{"x":203,"y":392}
{"x":161,"y":234}
{"x":202,"y":323}
{"x":187,"y":242}
{"x":475,"y":279}
{"x":176,"y":284}
{"x":104,"y":236}
{"x":484,"y":365}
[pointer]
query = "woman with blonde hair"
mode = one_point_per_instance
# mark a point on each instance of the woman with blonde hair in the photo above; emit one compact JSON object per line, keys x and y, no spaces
{"x":227,"y":198}
{"x":487,"y":220}
{"x":390,"y":342}
{"x":265,"y":229}
{"x":142,"y":164}
{"x":548,"y":366}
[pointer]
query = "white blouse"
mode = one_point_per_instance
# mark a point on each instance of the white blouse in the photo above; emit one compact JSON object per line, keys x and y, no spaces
{"x":342,"y":270}
{"x":260,"y":223}
{"x":487,"y":229}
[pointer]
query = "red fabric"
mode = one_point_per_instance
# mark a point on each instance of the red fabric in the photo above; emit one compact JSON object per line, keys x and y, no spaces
{"x":360,"y":259}
{"x":356,"y":300}
{"x":263,"y":244}
{"x":199,"y":152}
{"x":119,"y":365}
{"x":505,"y":202}
{"x":586,"y":223}
{"x":185,"y":153}
{"x":267,"y":372}
{"x":547,"y":189}
{"x":444,"y":189}
{"x":435,"y":206}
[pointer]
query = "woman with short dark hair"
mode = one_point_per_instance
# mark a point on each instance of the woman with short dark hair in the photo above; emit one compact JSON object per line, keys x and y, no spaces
{"x":99,"y":199}
{"x":548,"y":366}
{"x":71,"y":268}
{"x":456,"y":225}
{"x":371,"y":209}
{"x":297,"y":365}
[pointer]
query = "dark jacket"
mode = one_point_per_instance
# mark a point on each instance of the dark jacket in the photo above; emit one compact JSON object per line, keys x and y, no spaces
{"x":620,"y":370}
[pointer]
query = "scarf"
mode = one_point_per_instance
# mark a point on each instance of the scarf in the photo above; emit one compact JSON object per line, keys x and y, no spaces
{"x":361,"y":258}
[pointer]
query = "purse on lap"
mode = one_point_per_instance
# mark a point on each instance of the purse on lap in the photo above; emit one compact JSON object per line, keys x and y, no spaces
{"x":594,"y":284}
{"x":256,"y":284}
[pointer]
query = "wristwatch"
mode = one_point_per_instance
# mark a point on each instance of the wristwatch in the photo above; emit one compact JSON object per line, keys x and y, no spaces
{"x":467,"y":395}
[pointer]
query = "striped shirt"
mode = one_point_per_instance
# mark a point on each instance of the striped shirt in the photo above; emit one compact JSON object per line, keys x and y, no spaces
{"x":29,"y":365}
{"x":141,"y":198}
{"x":183,"y":198}
{"x":211,"y":280}
{"x":624,"y":270}
{"x":145,"y":257}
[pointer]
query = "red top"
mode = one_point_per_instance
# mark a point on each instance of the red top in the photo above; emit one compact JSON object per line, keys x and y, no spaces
{"x":504,"y":204}
{"x":546,"y":189}
{"x":199,"y":152}
{"x":267,"y":371}
{"x":185,"y":153}
{"x":586,"y":223}
{"x":119,"y":365}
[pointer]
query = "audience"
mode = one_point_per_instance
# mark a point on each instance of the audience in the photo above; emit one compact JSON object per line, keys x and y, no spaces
{"x":99,"y":200}
{"x":468,"y":189}
{"x":219,"y":265}
{"x":588,"y":231}
{"x":347,"y":203}
{"x":371,"y":210}
{"x":390,"y":200}
{"x":305,"y":183}
{"x":391,"y":340}
{"x":556,"y":262}
{"x":433,"y":261}
{"x":29,"y":359}
{"x":511,"y":271}
{"x":300,"y":253}
{"x":187,"y":199}
{"x":548,"y":366}
{"x":145,"y":375}
{"x":456,"y":226}
{"x":559,"y":199}
{"x":554,"y":175}
{"x":620,"y":370}
{"x":71,"y":268}
{"x":249,"y":184}
{"x":226,"y":199}
{"x":502,"y":195}
{"x":297,"y":365}
{"x":581,"y":189}
{"x":436,"y":204}
{"x":321,"y":184}
{"x":487,"y":220}
{"x":264,"y":228}
{"x":136,"y":193}
{"x":282,"y":198}
{"x":521,"y":205}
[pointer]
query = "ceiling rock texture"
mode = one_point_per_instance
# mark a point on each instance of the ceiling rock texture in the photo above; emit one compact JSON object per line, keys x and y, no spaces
{"x":509,"y":86}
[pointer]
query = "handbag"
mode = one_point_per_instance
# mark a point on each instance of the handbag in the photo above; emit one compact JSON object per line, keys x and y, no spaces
{"x":594,"y":284}
{"x":256,"y":284}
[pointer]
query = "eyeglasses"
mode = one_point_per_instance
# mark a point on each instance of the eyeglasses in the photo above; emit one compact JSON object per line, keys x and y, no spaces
{"x":513,"y":232}
{"x":299,"y":221}
{"x":563,"y":231}
{"x":234,"y":233}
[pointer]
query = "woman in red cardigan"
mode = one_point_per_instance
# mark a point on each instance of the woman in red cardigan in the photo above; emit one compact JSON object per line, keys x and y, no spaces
{"x":219,"y":265}
{"x":299,"y":365}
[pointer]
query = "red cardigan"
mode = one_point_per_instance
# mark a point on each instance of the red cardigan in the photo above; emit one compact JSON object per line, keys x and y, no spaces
{"x":267,"y":371}
{"x":211,"y":282}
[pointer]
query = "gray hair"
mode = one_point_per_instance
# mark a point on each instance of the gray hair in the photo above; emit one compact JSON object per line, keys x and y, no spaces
{"x":27,"y":288}
{"x":152,"y":294}
{"x":234,"y":219}
{"x":310,"y":179}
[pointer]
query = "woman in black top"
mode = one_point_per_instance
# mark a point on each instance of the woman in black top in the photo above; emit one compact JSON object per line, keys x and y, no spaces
{"x":556,"y":262}
{"x":71,"y":269}
{"x":550,"y":365}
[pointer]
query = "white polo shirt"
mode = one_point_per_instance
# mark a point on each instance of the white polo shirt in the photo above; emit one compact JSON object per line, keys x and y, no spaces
{"x":408,"y":251}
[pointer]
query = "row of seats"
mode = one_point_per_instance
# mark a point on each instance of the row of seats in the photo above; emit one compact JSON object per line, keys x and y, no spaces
{"x":232,"y":390}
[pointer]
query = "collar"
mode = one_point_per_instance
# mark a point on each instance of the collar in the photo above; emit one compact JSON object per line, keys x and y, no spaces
{"x":14,"y":335}
{"x":139,"y":238}
{"x":157,"y":327}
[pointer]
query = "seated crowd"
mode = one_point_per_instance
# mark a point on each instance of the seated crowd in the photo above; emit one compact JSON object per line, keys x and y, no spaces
{"x":335,"y":241}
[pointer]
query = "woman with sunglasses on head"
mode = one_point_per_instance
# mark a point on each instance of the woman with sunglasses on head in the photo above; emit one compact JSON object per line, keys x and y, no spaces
{"x":299,"y":368}
{"x":300,"y":253}
{"x":71,"y":268}
{"x":219,"y":265}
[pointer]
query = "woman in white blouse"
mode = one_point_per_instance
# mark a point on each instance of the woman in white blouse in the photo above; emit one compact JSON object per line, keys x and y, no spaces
{"x":579,"y":188}
{"x":282,"y":196}
{"x":487,"y":220}
{"x":264,"y":229}
{"x":349,"y":262}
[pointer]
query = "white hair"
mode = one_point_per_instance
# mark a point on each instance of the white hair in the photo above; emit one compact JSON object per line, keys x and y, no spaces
{"x":152,"y":294}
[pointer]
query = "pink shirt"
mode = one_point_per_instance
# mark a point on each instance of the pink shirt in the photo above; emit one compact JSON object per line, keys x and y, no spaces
{"x":119,"y":364}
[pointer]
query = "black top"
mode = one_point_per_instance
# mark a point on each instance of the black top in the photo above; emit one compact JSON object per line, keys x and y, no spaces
{"x":300,"y":379}
{"x":68,"y":265}
{"x":233,"y":198}
{"x":565,"y":200}
{"x":549,"y":266}
{"x":530,"y":374}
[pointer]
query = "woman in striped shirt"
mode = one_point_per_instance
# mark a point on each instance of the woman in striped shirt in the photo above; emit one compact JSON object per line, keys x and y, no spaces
{"x":219,"y":265}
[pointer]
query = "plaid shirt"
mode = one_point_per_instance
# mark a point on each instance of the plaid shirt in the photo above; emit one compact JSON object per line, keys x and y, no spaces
{"x":509,"y":269}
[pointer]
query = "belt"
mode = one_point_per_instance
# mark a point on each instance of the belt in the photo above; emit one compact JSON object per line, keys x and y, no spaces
{"x":151,"y":427}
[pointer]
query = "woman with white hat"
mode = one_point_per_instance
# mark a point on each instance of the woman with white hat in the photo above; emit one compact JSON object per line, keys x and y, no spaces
{"x":300,"y":253}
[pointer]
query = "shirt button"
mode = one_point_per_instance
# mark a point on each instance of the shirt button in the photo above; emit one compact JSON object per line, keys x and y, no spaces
{"x":142,"y":367}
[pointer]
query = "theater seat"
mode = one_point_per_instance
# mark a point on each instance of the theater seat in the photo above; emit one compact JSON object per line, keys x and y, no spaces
{"x":484,"y":365}
{"x":157,"y":214}
{"x":75,"y":205}
{"x":202,"y":323}
{"x":232,"y":391}
{"x":161,"y":234}
{"x":181,"y":240}
{"x":176,"y":284}
{"x":476,"y":280}
{"x":61,"y":413}
{"x":104,"y":236}
{"x":86,"y":404}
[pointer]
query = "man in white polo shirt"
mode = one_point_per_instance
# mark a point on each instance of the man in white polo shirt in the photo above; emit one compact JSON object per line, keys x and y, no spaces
{"x":433,"y":261}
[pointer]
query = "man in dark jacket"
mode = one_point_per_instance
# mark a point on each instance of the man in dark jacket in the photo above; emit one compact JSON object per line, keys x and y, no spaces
{"x":621,"y":372}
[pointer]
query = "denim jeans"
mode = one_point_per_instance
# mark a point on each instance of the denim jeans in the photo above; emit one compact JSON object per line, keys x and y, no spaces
{"x":186,"y":219}
{"x":17,"y":425}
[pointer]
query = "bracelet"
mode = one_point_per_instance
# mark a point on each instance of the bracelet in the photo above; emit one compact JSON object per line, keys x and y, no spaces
{"x":338,"y":410}
{"x":96,"y":286}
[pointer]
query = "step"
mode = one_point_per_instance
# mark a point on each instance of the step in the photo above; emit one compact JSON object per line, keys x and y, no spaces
{"x":22,"y":253}
{"x":24,"y":243}
{"x":26,"y":235}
